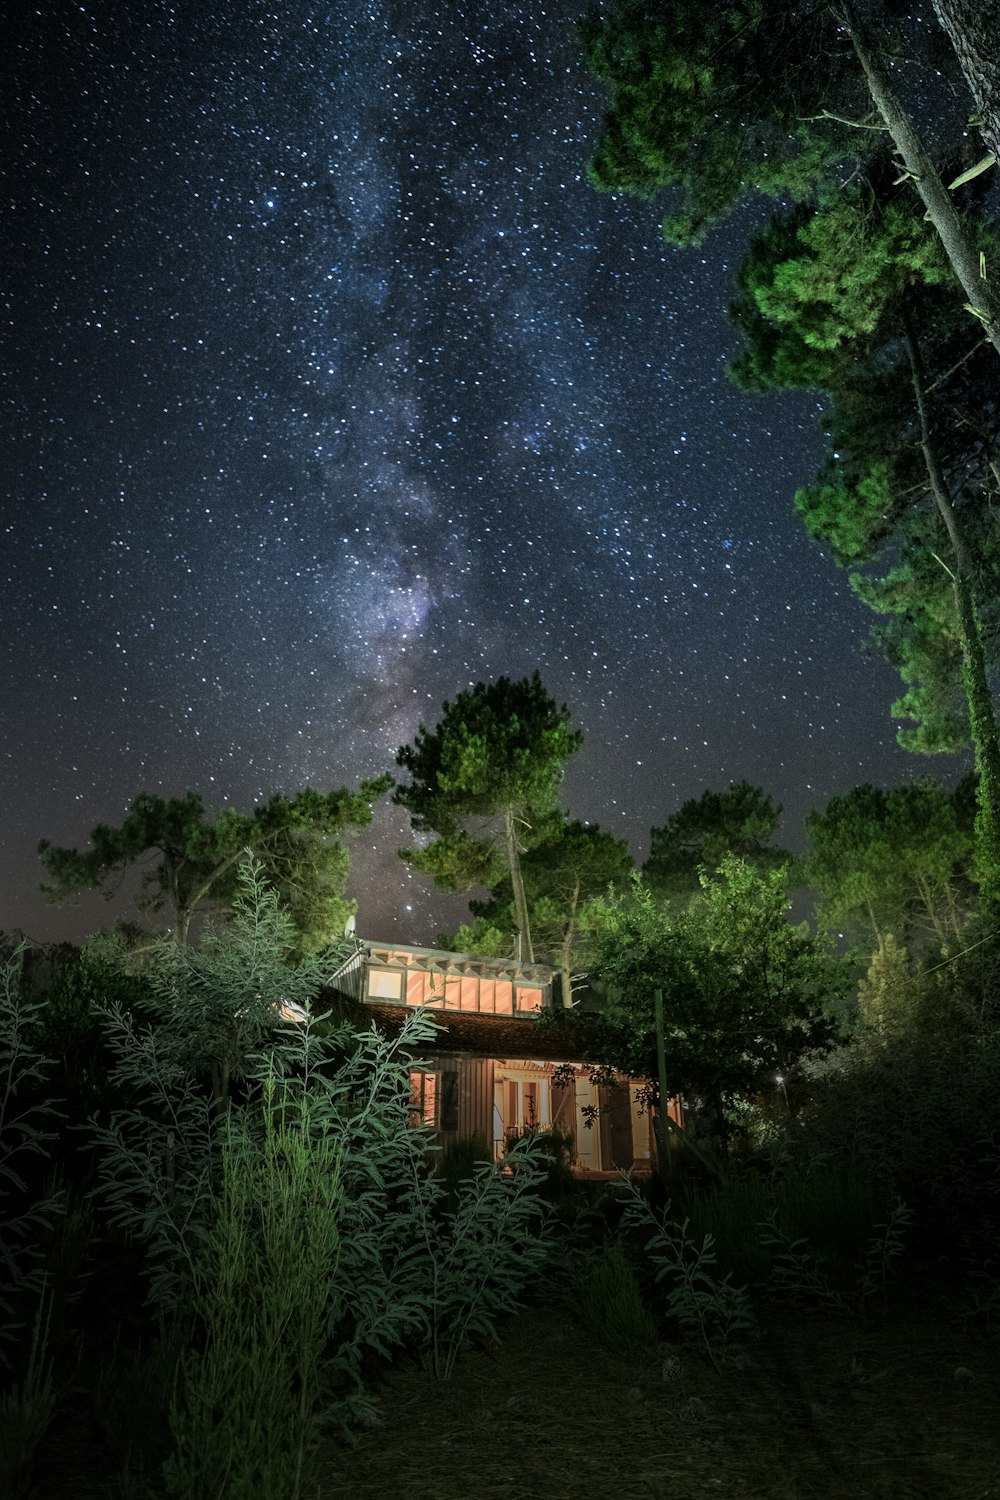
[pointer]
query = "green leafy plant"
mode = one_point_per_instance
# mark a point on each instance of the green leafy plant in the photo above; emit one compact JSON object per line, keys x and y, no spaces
{"x":710,"y":1310}
{"x":799,"y":1272}
{"x":479,"y":1261}
{"x":175,"y":1056}
{"x":184,"y":1160}
{"x":26,"y":1409}
{"x":409,"y":1265}
{"x":885,"y":1247}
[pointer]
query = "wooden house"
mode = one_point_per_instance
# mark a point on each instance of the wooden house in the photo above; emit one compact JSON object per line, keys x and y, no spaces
{"x":494,"y":1072}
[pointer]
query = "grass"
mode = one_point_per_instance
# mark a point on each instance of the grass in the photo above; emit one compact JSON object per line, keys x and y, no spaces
{"x":835,"y":1210}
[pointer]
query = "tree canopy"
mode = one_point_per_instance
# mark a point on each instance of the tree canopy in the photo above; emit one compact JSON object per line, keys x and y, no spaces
{"x":855,"y":297}
{"x":565,"y":874}
{"x":740,"y":821}
{"x":189,"y":856}
{"x":483,"y":781}
{"x":894,"y":862}
{"x":745,"y":995}
{"x":714,"y":104}
{"x":878,"y":287}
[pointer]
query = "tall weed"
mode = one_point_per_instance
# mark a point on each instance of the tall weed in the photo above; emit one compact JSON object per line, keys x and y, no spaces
{"x":26,"y":1409}
{"x":28,"y":1119}
{"x":710,"y":1310}
{"x":409,"y":1266}
{"x":610,"y":1301}
{"x":247,"y":1417}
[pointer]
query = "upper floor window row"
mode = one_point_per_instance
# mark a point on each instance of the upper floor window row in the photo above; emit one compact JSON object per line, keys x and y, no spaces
{"x":469,"y":992}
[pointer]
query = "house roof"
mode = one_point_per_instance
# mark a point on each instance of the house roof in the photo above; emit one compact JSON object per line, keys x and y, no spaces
{"x":478,"y":1035}
{"x":442,"y":961}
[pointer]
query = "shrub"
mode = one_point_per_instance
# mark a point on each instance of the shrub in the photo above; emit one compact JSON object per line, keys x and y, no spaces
{"x":824,"y":1205}
{"x":409,"y":1264}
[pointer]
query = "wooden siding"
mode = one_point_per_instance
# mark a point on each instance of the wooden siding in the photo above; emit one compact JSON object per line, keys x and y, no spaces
{"x":475,"y":1095}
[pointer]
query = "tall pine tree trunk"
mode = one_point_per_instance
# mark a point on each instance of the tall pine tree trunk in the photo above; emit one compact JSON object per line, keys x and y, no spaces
{"x":973,"y":28}
{"x":955,"y":235}
{"x":982,"y":715}
{"x":525,"y":951}
{"x":566,"y":950}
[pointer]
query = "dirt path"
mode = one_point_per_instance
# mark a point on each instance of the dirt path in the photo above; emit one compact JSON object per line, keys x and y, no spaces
{"x":904,"y":1406}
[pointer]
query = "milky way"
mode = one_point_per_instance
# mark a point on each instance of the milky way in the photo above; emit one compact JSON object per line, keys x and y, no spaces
{"x":331,"y":387}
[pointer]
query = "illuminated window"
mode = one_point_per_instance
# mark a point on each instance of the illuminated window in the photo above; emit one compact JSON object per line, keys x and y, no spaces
{"x":453,"y":992}
{"x":416,"y":987}
{"x":468,"y":993}
{"x":434,"y":994}
{"x":423,"y":1098}
{"x":385,"y":984}
{"x":528,"y":997}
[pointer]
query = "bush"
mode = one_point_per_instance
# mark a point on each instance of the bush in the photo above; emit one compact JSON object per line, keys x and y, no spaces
{"x":457,"y":1162}
{"x":922,"y":1121}
{"x":833,"y":1208}
{"x":409,"y":1265}
{"x":249,"y":1411}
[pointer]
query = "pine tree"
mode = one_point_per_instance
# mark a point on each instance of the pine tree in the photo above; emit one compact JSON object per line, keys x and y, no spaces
{"x":483,"y":781}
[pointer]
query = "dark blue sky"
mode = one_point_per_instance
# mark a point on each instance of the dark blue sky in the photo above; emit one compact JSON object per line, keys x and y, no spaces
{"x":330,"y":388}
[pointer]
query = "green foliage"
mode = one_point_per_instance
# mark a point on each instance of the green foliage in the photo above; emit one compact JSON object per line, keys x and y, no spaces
{"x":477,"y":1264}
{"x":893,"y":861}
{"x":175,"y":1056}
{"x":799,"y":1272}
{"x":72,"y":1033}
{"x":852,"y":293}
{"x":850,"y":517}
{"x":713,"y":104}
{"x":885,"y":1247}
{"x":499,"y":745}
{"x":828,"y":273}
{"x":611,"y":1307}
{"x":746,"y":995}
{"x":820,"y":1203}
{"x":853,"y":297}
{"x":246,"y":1420}
{"x":741,"y":821}
{"x":189,"y":858}
{"x":711,"y":1311}
{"x":26,"y":1409}
{"x":900,"y":1000}
{"x":29,"y":1120}
{"x":479,"y":937}
{"x":457,"y":1162}
{"x":484,"y":781}
{"x":565,"y":874}
{"x":407,"y":1265}
{"x":920,"y":1118}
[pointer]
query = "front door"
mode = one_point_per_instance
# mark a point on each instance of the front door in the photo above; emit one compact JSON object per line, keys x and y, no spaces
{"x":616,"y":1128}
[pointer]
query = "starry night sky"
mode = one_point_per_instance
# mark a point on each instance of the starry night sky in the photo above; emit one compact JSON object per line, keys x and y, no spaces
{"x":331,"y":388}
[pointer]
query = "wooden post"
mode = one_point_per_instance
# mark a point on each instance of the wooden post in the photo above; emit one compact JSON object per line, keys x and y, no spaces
{"x":662,"y":1127}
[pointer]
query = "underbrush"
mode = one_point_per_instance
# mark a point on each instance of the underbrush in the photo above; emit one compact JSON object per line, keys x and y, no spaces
{"x":749,"y":1215}
{"x":263,"y":1229}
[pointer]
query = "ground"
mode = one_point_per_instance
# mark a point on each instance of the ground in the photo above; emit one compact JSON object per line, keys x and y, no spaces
{"x":903,"y":1404}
